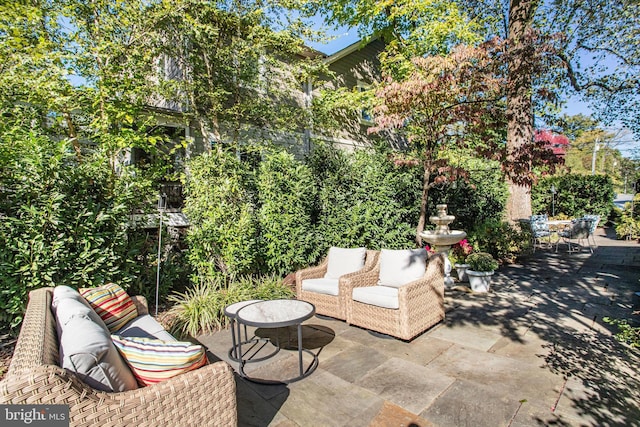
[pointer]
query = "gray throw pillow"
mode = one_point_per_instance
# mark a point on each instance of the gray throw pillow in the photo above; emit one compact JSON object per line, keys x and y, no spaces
{"x":87,"y":350}
{"x":67,"y":302}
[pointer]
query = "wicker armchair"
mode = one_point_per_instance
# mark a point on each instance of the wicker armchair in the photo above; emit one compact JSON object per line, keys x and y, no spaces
{"x":206,"y":396}
{"x":421,"y":303}
{"x":330,"y":305}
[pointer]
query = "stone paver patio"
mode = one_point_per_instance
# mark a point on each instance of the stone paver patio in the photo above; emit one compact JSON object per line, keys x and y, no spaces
{"x":532,"y":352}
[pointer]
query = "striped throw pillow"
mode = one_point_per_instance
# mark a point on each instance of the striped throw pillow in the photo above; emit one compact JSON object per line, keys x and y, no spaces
{"x":112,"y":304}
{"x":152,"y":360}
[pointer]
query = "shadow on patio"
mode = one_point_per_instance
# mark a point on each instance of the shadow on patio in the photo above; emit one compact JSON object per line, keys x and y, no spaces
{"x":534,"y":351}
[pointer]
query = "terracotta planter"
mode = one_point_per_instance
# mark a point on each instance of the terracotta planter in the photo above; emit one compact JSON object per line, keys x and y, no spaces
{"x":480,"y":281}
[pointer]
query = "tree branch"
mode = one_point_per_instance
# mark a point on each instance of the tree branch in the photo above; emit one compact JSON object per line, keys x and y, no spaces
{"x":607,"y":50}
{"x":573,"y":79}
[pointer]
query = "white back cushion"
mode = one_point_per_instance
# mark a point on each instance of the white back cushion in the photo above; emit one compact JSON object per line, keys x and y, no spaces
{"x":399,"y":267}
{"x":344,"y":261}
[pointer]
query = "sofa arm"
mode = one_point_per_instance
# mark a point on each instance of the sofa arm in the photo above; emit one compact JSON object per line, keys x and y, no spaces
{"x":141,"y":304}
{"x":205,"y":396}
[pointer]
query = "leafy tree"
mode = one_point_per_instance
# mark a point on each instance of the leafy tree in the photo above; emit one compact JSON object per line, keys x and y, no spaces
{"x":65,"y":209}
{"x":577,"y":39}
{"x":411,"y":28}
{"x":576,"y":125}
{"x":419,"y":29}
{"x":437,"y":106}
{"x":628,"y":174}
{"x":223,"y":65}
{"x":102,"y":48}
{"x":558,"y":143}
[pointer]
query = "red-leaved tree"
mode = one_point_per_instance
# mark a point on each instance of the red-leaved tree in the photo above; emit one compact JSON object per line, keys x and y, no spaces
{"x":455,"y":101}
{"x":553,"y":141}
{"x":441,"y":102}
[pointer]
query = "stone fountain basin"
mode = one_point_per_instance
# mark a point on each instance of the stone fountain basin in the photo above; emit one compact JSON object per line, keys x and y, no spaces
{"x":443,"y":239}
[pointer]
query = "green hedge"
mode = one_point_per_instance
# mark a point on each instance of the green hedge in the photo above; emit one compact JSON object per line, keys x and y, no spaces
{"x":62,"y":222}
{"x":222,"y":237}
{"x":364,"y":199}
{"x":482,"y":198}
{"x":576,"y":195}
{"x":286,"y":198}
{"x":286,"y":213}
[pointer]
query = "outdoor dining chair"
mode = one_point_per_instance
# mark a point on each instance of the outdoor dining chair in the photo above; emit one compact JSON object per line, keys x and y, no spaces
{"x":579,"y":230}
{"x":594,"y":221}
{"x":539,"y":229}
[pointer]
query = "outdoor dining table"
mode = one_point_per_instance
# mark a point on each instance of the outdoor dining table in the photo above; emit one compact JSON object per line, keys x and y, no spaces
{"x":559,"y":222}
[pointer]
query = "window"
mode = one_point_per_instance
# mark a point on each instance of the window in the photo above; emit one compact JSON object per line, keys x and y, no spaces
{"x":366,"y":117}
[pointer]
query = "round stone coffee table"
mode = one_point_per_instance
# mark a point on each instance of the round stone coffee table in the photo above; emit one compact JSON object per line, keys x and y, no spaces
{"x":277,"y":314}
{"x":230,"y":311}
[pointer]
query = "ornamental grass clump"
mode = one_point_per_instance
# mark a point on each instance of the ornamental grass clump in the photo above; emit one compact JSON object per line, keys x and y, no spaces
{"x":481,"y":261}
{"x":200,"y":309}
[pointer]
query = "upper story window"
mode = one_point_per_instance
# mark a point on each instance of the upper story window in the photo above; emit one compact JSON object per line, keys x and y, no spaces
{"x":366,"y":116}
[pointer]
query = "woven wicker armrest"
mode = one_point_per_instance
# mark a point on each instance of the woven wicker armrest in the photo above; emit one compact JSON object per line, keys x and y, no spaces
{"x":429,"y":286}
{"x":205,"y":396}
{"x":359,"y":279}
{"x":314,"y":272}
{"x":141,"y":304}
{"x":422,"y":289}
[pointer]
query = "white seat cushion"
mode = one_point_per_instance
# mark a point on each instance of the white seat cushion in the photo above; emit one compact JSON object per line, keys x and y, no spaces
{"x":344,"y":261}
{"x":321,"y":286}
{"x":381,"y":296}
{"x":145,"y":326}
{"x":399,"y":267}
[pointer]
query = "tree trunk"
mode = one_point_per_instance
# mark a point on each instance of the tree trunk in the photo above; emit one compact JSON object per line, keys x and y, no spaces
{"x":73,"y":135}
{"x":423,"y":203}
{"x":519,"y":103}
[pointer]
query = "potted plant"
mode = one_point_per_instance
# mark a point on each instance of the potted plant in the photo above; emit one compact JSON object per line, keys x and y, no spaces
{"x":481,"y":267}
{"x":458,"y":256}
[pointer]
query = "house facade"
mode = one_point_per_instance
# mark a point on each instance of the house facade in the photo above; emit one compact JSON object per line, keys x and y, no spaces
{"x":355,"y":67}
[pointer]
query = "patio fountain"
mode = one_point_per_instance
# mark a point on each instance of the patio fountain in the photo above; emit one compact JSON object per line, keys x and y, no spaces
{"x":442,"y":238}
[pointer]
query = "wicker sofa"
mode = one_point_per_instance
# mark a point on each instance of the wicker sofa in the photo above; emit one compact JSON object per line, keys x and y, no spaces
{"x":206,"y":396}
